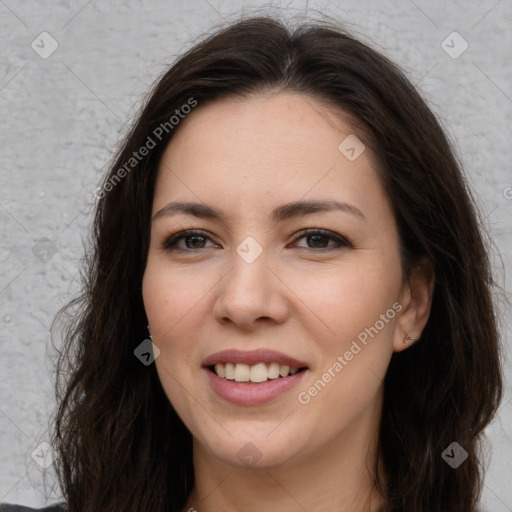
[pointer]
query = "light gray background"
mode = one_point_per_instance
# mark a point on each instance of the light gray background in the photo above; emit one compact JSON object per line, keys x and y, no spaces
{"x":62,"y":116}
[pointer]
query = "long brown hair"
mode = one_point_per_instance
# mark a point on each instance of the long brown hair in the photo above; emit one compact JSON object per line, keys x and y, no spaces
{"x":121,"y":447}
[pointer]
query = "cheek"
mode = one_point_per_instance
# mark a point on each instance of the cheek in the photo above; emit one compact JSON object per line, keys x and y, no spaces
{"x":170,"y":295}
{"x":156,"y":295}
{"x":346,"y":300}
{"x":176,"y":304}
{"x":354,"y":343}
{"x":165,"y":305}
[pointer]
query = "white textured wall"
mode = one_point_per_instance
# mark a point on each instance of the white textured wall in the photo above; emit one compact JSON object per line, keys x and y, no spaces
{"x":61,"y":116}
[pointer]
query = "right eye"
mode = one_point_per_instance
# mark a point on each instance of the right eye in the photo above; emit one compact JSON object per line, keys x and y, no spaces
{"x":193,"y":237}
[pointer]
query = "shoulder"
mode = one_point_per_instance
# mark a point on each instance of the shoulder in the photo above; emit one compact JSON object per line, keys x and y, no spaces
{"x":5,"y":507}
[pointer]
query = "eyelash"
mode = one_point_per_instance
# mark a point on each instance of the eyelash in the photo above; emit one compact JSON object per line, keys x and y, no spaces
{"x":169,"y":244}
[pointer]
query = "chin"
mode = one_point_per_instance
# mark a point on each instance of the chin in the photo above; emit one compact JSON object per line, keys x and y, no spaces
{"x":248,"y":449}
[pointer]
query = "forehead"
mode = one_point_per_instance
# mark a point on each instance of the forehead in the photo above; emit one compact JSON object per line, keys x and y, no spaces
{"x":256,"y":151}
{"x":295,"y":122}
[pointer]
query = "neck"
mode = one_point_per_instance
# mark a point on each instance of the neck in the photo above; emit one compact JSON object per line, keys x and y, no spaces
{"x":337,"y":477}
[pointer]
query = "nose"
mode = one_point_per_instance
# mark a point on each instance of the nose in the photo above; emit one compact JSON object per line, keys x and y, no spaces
{"x":251,"y":293}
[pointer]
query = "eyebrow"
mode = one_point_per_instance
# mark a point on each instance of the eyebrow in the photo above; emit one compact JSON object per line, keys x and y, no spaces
{"x":279,"y":214}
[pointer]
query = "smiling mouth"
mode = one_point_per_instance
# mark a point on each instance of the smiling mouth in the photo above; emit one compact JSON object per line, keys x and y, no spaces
{"x":253,"y":374}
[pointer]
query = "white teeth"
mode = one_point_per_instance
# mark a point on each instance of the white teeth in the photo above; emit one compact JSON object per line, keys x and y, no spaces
{"x":242,"y":372}
{"x":273,"y":370}
{"x":229,"y":371}
{"x":256,"y":373}
{"x":219,"y":370}
{"x":259,"y":372}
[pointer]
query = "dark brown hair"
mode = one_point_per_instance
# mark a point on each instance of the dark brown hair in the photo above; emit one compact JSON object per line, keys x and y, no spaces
{"x":121,"y":447}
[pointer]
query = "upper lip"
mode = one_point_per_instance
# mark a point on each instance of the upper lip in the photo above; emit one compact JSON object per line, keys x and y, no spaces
{"x":252,"y":357}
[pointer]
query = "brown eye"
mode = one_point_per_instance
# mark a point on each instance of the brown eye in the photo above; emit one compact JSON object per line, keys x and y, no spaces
{"x":194,"y":239}
{"x":319,"y":239}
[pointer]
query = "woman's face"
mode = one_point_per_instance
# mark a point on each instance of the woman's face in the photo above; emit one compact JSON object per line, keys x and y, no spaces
{"x":257,"y":292}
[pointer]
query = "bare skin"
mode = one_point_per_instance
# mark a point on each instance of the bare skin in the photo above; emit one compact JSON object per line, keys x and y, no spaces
{"x":305,"y":296}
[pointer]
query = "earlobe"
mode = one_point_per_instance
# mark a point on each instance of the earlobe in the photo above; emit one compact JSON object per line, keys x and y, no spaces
{"x":417,"y":297}
{"x":408,"y":340}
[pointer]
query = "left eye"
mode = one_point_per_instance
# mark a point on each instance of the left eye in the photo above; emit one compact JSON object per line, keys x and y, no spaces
{"x":316,"y":236}
{"x":197,"y":239}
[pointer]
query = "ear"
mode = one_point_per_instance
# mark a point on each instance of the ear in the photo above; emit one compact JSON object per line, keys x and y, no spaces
{"x":416,"y":300}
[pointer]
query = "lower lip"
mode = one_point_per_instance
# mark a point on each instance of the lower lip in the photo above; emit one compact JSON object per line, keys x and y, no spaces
{"x":252,"y":394}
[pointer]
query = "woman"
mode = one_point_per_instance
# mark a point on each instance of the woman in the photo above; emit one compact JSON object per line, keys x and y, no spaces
{"x":288,"y":220}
